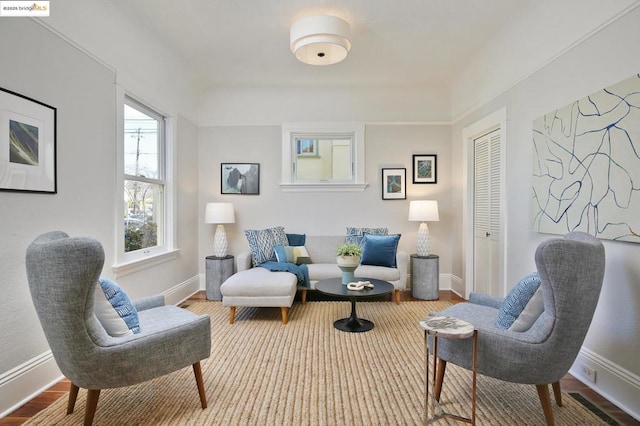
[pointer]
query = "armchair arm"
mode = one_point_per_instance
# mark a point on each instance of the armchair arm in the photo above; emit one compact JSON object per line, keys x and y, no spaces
{"x":486,"y":300}
{"x":243,"y":261}
{"x":149,"y":302}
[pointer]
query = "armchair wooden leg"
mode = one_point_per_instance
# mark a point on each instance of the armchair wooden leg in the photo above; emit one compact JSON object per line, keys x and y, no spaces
{"x":197,"y":371}
{"x":73,"y":395}
{"x":285,"y":314}
{"x":437,"y":390}
{"x":557,"y":393}
{"x":304,"y":296}
{"x":232,"y":315}
{"x":545,"y":400}
{"x":92,"y":404}
{"x":397,"y":297}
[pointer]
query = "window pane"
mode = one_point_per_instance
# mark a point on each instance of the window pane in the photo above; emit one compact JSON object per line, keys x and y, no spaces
{"x":319,"y":159}
{"x":143,"y":221}
{"x":141,"y":143}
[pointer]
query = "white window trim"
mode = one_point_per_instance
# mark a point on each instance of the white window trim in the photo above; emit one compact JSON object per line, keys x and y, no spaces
{"x":290,"y":130}
{"x":127,"y":263}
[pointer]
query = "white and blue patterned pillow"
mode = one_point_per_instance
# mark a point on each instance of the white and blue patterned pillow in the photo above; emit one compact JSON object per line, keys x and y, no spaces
{"x":517,"y":299}
{"x":262,"y":243}
{"x":114,"y":309}
{"x":356,"y":235}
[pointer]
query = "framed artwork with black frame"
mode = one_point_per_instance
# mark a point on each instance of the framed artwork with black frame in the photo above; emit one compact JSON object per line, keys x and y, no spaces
{"x":394,"y":184}
{"x":425,"y":169}
{"x":27,"y":144}
{"x":240,"y":178}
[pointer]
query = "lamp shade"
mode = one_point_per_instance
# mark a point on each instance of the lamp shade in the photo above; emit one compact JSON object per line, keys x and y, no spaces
{"x":424,"y":211}
{"x":219,"y":213}
{"x":320,"y":40}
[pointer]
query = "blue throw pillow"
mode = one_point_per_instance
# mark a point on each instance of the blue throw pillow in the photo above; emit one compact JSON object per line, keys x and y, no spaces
{"x":114,"y":309}
{"x":517,"y":299}
{"x":379,"y":250}
{"x":297,"y":239}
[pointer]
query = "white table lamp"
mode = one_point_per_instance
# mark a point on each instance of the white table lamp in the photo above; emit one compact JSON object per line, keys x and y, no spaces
{"x":220,"y":213}
{"x":423,"y":211}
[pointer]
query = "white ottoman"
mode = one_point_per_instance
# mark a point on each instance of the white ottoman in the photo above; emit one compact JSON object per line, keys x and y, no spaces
{"x":259,"y":287}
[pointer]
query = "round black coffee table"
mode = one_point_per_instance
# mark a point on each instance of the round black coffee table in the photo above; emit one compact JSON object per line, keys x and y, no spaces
{"x":334,"y":287}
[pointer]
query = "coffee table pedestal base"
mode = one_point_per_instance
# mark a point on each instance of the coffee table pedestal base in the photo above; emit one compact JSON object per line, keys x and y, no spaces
{"x":353,"y":324}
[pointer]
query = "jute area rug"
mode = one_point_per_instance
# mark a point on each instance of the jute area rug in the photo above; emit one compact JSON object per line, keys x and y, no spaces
{"x":261,"y":372}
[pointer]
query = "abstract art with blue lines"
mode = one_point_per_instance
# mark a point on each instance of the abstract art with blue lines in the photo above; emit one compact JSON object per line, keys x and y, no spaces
{"x":586,"y":165}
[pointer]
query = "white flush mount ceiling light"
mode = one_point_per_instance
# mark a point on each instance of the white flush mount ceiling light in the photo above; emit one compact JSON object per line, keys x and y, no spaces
{"x":320,"y":40}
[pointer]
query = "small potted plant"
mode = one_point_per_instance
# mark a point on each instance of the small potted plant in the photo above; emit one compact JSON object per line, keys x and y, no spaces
{"x":348,"y":259}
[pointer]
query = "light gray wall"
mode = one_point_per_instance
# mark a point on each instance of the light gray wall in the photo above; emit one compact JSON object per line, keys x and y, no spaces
{"x":325,"y":213}
{"x":613,"y":342}
{"x":41,"y":64}
{"x":54,"y":69}
{"x":83,"y":92}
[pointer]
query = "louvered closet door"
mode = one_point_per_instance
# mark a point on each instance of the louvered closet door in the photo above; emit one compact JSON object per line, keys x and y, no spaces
{"x":487,"y":213}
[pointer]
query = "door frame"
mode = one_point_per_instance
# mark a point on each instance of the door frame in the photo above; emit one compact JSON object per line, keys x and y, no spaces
{"x":497,"y":119}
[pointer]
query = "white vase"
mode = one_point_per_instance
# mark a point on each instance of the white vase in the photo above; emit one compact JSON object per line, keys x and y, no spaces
{"x":348,"y":261}
{"x":347,"y":265}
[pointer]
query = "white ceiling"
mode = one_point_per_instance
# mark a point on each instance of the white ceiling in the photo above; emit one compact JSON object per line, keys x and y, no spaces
{"x":395,"y":42}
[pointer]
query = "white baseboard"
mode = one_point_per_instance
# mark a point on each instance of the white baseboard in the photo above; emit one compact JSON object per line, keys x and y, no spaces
{"x":24,"y":382}
{"x":181,"y":292}
{"x":457,"y":286}
{"x":616,"y":384}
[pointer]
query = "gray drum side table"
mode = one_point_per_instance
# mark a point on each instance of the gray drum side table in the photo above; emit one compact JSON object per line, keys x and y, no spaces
{"x":425,"y":273}
{"x":218,"y":269}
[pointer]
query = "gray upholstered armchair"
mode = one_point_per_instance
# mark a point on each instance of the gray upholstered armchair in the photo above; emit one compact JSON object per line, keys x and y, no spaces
{"x":62,"y":274}
{"x":571,"y":271}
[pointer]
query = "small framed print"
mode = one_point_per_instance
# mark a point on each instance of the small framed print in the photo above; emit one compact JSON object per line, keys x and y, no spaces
{"x":27,"y":144}
{"x":240,"y":178}
{"x":425,"y":169}
{"x":394,"y":184}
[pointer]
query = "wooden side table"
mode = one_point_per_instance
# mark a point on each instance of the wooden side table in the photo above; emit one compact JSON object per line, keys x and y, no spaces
{"x":218,"y":269}
{"x":425,"y":277}
{"x":448,"y":328}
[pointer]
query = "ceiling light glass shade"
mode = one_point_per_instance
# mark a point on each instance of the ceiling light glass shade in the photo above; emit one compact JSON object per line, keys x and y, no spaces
{"x":320,"y":40}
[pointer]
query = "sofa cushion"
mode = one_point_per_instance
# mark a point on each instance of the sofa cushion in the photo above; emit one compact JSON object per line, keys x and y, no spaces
{"x":380,"y":250}
{"x":356,"y":235}
{"x":517,"y":299}
{"x":323,"y":271}
{"x":259,"y":282}
{"x":378,"y":272}
{"x":322,"y":248}
{"x":263,"y":241}
{"x":114,"y":309}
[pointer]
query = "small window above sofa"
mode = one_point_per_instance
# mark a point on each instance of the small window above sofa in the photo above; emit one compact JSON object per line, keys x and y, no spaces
{"x":323,"y":157}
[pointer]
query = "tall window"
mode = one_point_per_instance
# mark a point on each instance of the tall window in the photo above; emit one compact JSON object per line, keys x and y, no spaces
{"x":144,"y":178}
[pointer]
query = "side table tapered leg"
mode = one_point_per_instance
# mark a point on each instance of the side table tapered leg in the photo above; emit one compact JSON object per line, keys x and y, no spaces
{"x":450,"y":328}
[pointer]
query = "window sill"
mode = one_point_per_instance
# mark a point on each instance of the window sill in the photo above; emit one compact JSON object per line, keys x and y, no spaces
{"x":123,"y":269}
{"x":323,"y":187}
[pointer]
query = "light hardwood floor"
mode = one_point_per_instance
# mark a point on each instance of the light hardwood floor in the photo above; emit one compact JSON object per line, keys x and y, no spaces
{"x":568,"y":383}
